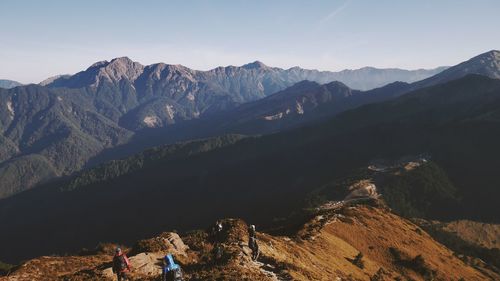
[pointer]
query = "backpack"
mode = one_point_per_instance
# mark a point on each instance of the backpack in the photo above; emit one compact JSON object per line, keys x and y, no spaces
{"x":252,"y":243}
{"x":171,"y":270}
{"x":119,"y":263}
{"x":174,"y":275}
{"x":218,"y":251}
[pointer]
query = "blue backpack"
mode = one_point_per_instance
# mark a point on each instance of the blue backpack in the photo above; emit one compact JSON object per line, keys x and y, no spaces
{"x":171,"y":270}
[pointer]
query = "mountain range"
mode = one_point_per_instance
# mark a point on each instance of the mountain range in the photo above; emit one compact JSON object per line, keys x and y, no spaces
{"x":55,"y":128}
{"x":263,"y":148}
{"x":326,"y":100}
{"x":455,"y":123}
{"x":117,"y":108}
{"x":309,"y":101}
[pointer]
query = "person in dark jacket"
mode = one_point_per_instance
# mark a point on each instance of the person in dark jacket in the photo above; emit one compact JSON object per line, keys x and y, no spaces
{"x":251,"y":231}
{"x":252,"y":242}
{"x":121,"y":265}
{"x":171,"y":270}
{"x":217,"y":233}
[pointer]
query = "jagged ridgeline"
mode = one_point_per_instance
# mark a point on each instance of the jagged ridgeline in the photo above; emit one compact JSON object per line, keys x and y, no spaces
{"x":55,"y":128}
{"x":117,"y":108}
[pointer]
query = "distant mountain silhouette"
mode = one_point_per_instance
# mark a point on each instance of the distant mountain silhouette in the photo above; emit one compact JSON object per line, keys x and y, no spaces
{"x":7,"y":84}
{"x":486,"y":64}
{"x":308,"y":101}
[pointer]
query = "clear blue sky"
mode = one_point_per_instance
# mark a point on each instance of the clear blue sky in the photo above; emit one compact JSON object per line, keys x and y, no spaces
{"x":39,"y":39}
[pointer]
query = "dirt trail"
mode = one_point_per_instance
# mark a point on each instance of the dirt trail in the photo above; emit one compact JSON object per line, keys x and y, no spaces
{"x":273,"y":272}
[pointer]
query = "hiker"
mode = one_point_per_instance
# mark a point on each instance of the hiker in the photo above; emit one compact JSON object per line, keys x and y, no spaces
{"x":217,"y":238}
{"x":171,"y":270}
{"x":218,"y":253}
{"x":251,"y":231}
{"x":121,"y":265}
{"x":252,"y":244}
{"x":217,"y":232}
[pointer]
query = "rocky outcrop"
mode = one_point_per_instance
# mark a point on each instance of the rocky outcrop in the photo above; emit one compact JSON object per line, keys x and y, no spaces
{"x":143,"y":265}
{"x":167,"y":242}
{"x":146,"y":258}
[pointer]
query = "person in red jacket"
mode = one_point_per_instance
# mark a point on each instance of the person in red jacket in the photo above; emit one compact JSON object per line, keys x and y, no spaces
{"x":121,"y":265}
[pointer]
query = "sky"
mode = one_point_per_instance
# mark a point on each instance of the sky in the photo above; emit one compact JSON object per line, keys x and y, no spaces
{"x":40,"y":39}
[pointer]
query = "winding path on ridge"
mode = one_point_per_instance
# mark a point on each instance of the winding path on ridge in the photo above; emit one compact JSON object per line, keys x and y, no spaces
{"x":272,"y":272}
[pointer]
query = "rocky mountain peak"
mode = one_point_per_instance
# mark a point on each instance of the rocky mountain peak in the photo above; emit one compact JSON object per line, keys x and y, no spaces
{"x":488,"y":59}
{"x":304,"y":84}
{"x":495,"y":54}
{"x":125,"y":60}
{"x":120,"y":68}
{"x":255,"y":65}
{"x":486,"y":64}
{"x":124,"y":64}
{"x":161,"y":71}
{"x":98,"y":64}
{"x":337,"y":84}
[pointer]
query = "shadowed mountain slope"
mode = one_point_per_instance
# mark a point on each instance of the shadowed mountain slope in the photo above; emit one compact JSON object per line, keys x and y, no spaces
{"x":456,"y":123}
{"x":53,"y":129}
{"x":115,"y":108}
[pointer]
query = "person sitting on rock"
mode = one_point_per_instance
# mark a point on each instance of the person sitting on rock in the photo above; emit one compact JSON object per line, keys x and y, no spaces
{"x":171,"y":270}
{"x":121,"y":265}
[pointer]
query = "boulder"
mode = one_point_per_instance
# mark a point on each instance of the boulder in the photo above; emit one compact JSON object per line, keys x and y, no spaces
{"x":167,"y":242}
{"x":143,"y":264}
{"x":174,"y":244}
